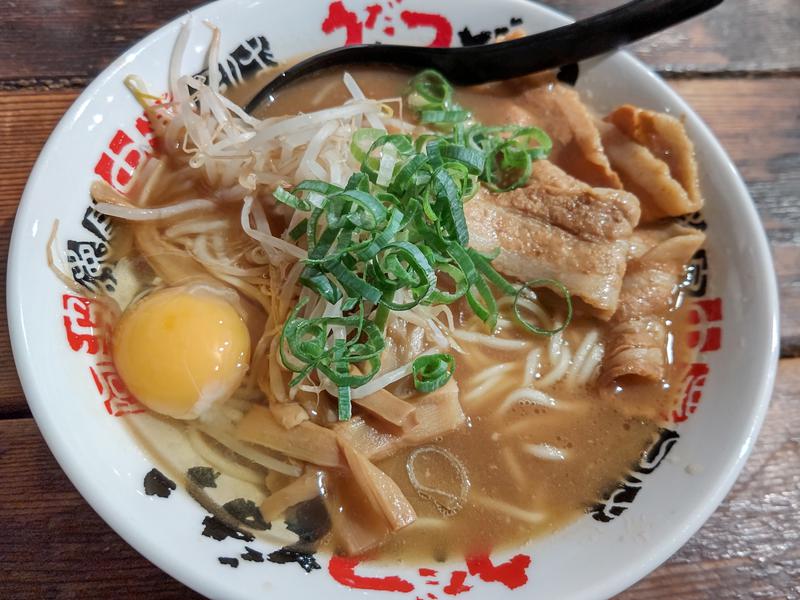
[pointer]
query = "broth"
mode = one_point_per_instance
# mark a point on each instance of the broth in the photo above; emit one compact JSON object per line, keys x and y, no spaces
{"x":490,"y":103}
{"x":533,"y":468}
{"x":601,"y":438}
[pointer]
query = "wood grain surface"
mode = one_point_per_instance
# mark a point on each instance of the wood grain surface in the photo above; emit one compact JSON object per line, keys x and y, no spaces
{"x":739,"y":37}
{"x":67,"y":43}
{"x":738,"y":66}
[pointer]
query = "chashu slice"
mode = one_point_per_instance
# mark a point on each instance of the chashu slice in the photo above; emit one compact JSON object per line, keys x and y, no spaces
{"x":561,"y":228}
{"x":655,"y":160}
{"x":636,"y":341}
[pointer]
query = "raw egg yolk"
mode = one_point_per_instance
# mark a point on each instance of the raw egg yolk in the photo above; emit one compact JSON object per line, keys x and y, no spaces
{"x":180,"y":350}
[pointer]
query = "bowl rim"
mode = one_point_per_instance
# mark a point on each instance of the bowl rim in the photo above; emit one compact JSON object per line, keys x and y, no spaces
{"x":201,"y":582}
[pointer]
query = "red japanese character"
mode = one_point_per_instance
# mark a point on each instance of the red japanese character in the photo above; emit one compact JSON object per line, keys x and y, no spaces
{"x":343,"y":570}
{"x":78,"y":324}
{"x":116,"y":397}
{"x":707,"y":338}
{"x":441,"y":26}
{"x":339,"y":17}
{"x":85,"y":326}
{"x":116,"y":166}
{"x":511,"y":573}
{"x":456,"y":585}
{"x":373,"y":10}
{"x":695,"y":380}
{"x":145,"y":128}
{"x":117,"y":169}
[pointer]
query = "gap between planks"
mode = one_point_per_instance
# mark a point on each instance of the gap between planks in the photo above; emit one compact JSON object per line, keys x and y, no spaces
{"x":55,"y":83}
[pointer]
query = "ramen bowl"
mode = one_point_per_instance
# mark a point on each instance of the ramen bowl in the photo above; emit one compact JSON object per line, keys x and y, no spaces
{"x":82,"y":407}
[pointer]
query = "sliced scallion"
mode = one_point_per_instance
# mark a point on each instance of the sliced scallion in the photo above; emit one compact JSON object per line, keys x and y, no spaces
{"x":432,"y":371}
{"x":548,"y":283}
{"x":396,"y":236}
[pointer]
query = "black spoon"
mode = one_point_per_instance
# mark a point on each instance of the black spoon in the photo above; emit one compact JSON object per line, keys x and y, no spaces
{"x":493,"y":62}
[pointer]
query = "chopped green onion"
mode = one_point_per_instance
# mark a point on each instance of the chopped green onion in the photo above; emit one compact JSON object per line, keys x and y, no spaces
{"x":404,"y":178}
{"x":429,"y":90}
{"x":461,"y":285}
{"x":432,"y":371}
{"x":345,"y":405}
{"x":298,"y":230}
{"x":483,"y":303}
{"x":464,"y":262}
{"x":443,"y":116}
{"x":320,"y":187}
{"x":362,"y":142}
{"x":551,"y":283}
{"x":349,"y":304}
{"x":396,"y":236}
{"x":342,"y":368}
{"x":446,"y":192}
{"x":414,"y":273}
{"x":289,"y":199}
{"x":401,"y":144}
{"x":353,"y":284}
{"x":485,"y":266}
{"x":473,"y":159}
{"x":384,"y":238}
{"x":318,"y":281}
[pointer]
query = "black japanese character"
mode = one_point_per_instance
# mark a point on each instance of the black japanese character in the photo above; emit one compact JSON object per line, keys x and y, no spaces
{"x":695,"y":220}
{"x":620,"y":498}
{"x":97,"y":223}
{"x":248,"y":58}
{"x":696,"y":279}
{"x":88,"y":268}
{"x":478,"y":39}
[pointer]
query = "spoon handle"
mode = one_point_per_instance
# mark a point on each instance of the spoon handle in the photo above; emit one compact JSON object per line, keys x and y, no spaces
{"x":493,"y":62}
{"x":568,"y":44}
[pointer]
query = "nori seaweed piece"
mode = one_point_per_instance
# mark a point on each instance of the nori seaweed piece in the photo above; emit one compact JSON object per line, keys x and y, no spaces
{"x":158,"y":484}
{"x":246,"y":511}
{"x":204,"y":477}
{"x":231,"y":562}
{"x":288,"y":554}
{"x":216,"y":529}
{"x":309,"y":520}
{"x":252,"y":555}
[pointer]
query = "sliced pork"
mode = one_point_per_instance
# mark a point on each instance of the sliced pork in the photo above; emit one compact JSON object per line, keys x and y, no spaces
{"x":561,"y":228}
{"x":577,"y":146}
{"x":636,"y":342}
{"x":655,"y":160}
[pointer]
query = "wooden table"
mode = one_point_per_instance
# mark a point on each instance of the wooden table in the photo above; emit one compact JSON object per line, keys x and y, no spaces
{"x":739,"y":67}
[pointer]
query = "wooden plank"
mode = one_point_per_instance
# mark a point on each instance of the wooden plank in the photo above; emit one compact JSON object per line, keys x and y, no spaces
{"x":748,"y":548}
{"x":737,"y":36}
{"x":26,"y":120}
{"x":758,"y":123}
{"x":54,"y":545}
{"x":68,"y":43}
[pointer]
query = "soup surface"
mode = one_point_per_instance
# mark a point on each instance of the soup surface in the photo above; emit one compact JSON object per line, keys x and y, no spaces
{"x":596,"y":439}
{"x":543,"y":438}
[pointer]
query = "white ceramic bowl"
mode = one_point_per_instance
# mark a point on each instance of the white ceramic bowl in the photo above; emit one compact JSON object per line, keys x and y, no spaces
{"x":68,"y":386}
